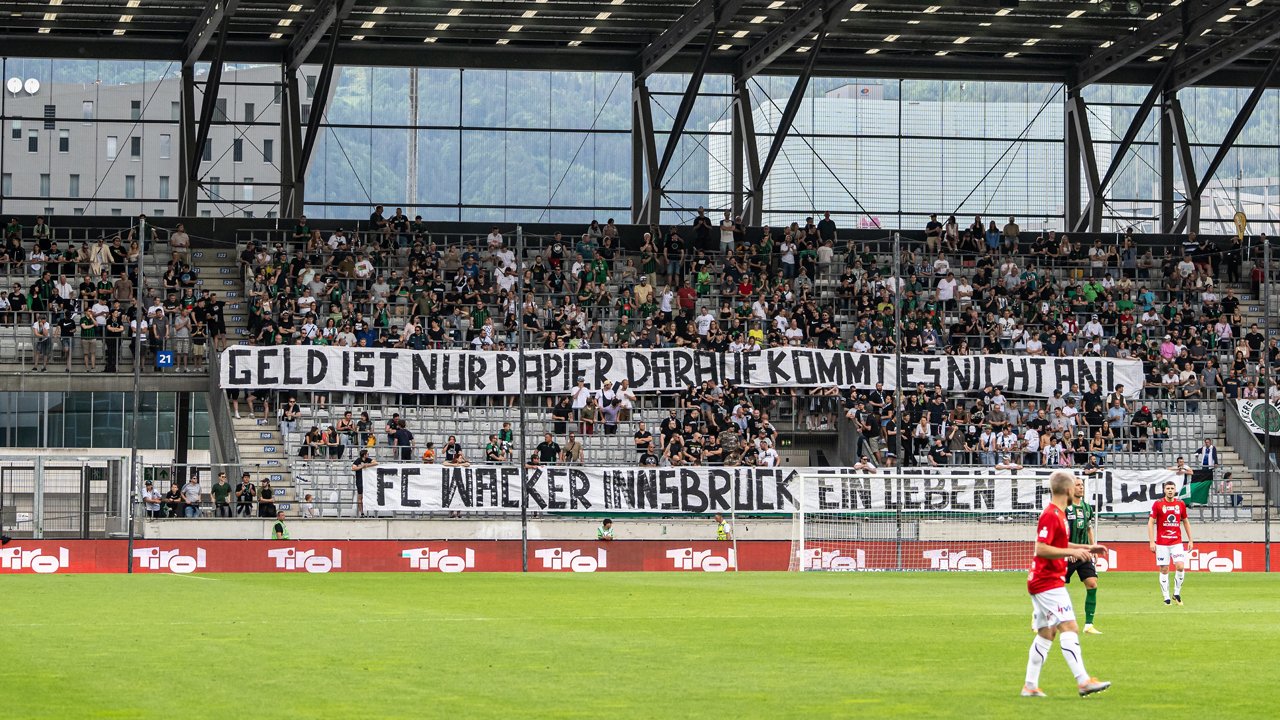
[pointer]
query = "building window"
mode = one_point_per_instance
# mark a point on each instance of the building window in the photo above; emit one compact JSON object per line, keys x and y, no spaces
{"x":64,"y":141}
{"x":6,"y":183}
{"x":208,"y":150}
{"x":166,"y":146}
{"x":86,"y":110}
{"x":16,"y":129}
{"x":73,"y":187}
{"x":33,"y":141}
{"x":112,"y":146}
{"x":248,"y":112}
{"x":130,"y":187}
{"x":135,"y":109}
{"x":248,"y":213}
{"x":271,"y":213}
{"x":44,"y":184}
{"x":50,"y":112}
{"x":115,"y":212}
{"x":275,"y":99}
{"x":164,"y":187}
{"x":158,"y":212}
{"x":220,"y":109}
{"x":48,"y":210}
{"x":268,"y":150}
{"x":305,"y":110}
{"x":248,"y":189}
{"x":215,"y":188}
{"x":77,"y":211}
{"x":135,"y":147}
{"x":237,"y":150}
{"x":175,"y":111}
{"x":311,"y":86}
{"x":206,"y":213}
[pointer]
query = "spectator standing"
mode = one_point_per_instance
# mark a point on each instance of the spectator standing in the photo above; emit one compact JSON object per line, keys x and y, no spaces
{"x":572,"y":452}
{"x":1207,"y":455}
{"x":266,"y":499}
{"x":278,"y":529}
{"x":151,"y":501}
{"x":548,"y":451}
{"x":42,"y":342}
{"x":362,"y":462}
{"x":221,"y":494}
{"x":191,"y":497}
{"x":246,"y":493}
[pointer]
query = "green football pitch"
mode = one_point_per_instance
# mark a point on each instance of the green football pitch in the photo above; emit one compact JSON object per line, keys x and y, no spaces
{"x":643,"y":645}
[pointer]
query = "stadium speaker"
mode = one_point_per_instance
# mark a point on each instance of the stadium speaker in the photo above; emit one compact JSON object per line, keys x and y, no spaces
{"x":1135,"y":7}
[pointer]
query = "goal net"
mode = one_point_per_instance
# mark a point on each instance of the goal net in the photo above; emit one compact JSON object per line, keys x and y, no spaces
{"x":917,"y":519}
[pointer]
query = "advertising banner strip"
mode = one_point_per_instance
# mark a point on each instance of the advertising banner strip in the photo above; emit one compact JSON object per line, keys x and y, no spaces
{"x":454,"y":556}
{"x":467,"y":372}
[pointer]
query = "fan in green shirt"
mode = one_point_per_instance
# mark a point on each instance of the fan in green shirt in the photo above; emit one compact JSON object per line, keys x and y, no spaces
{"x":604,"y":533}
{"x":1080,"y":525}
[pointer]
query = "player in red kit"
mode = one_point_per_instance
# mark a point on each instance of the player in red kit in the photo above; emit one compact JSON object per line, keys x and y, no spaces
{"x":1165,"y":529}
{"x":1052,"y":614}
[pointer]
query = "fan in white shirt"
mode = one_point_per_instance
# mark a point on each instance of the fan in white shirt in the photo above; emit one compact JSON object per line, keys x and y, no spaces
{"x":100,"y":311}
{"x":506,"y":257}
{"x":947,"y":289}
{"x":703,"y":322}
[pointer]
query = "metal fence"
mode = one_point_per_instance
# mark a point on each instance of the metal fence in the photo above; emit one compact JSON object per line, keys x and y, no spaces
{"x":64,"y":497}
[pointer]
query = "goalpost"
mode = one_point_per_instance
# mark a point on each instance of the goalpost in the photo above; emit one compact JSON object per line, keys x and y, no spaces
{"x":916,"y":519}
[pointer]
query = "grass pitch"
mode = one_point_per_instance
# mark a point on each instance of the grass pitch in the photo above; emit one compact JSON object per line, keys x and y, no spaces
{"x":620,"y":646}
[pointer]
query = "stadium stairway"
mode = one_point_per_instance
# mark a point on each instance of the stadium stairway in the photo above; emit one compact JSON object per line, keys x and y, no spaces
{"x":219,"y":272}
{"x":264,"y":455}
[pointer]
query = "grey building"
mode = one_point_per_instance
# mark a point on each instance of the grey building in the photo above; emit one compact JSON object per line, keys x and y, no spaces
{"x":112,"y":148}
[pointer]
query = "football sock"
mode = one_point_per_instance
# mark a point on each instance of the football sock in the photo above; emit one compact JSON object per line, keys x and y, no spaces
{"x":1090,"y":604}
{"x":1070,"y":643}
{"x":1040,"y":648}
{"x":1177,"y":582}
{"x":1164,"y":585}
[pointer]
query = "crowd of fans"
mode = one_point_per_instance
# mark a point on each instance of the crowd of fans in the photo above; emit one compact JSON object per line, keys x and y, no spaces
{"x":87,"y":297}
{"x":709,"y":285}
{"x":975,"y":290}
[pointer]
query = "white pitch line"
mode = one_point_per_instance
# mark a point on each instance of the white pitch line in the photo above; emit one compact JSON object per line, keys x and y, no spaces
{"x":577,"y":618}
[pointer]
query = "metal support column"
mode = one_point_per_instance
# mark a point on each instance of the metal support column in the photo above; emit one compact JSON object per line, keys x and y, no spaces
{"x":744,"y":127}
{"x":644,"y":213}
{"x":1182,"y":149}
{"x":1237,"y":126}
{"x":292,"y":185}
{"x":212,"y":84}
{"x":652,"y":205}
{"x":1167,"y":217}
{"x":318,"y":102}
{"x":1084,"y":160}
{"x":1092,"y":214}
{"x":752,"y":206}
{"x":188,"y":154}
{"x":1071,"y":163}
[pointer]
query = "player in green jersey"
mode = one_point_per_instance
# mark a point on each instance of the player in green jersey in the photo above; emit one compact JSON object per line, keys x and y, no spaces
{"x":1080,"y":523}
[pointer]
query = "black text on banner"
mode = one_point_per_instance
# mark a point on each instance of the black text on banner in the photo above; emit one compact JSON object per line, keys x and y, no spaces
{"x":286,"y":367}
{"x":411,"y":488}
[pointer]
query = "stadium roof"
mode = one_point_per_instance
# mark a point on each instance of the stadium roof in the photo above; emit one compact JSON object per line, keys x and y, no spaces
{"x":1226,"y":43}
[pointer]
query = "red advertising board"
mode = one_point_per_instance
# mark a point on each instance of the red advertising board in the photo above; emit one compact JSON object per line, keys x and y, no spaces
{"x":186,"y":556}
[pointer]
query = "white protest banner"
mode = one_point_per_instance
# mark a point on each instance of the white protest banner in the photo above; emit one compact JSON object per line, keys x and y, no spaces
{"x":301,"y":367}
{"x":415,"y":488}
